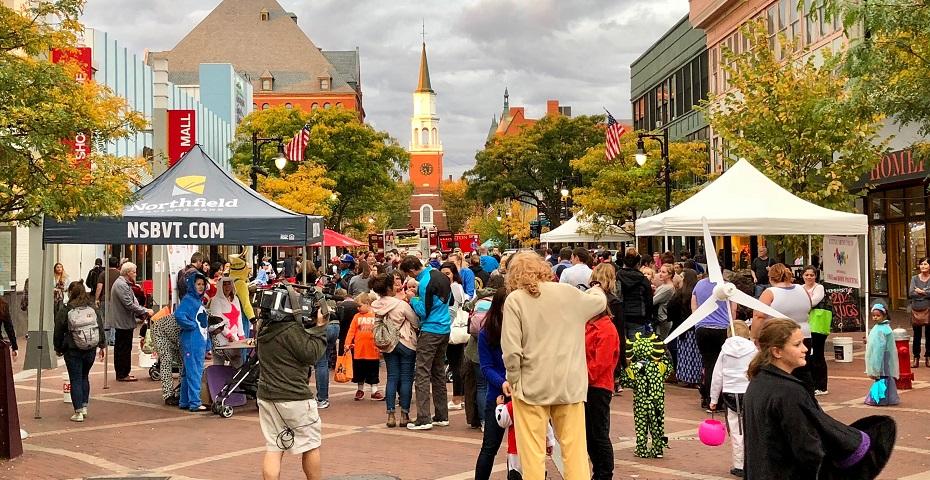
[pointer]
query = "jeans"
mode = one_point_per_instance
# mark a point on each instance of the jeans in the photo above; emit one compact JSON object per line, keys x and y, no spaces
{"x":400,"y":364}
{"x":709,"y":342}
{"x":122,"y":353}
{"x":490,"y":444}
{"x":818,"y":364}
{"x":322,"y":365}
{"x":431,"y":374}
{"x":79,"y":363}
{"x":597,"y":430}
{"x":633,"y":328}
{"x":482,"y":389}
{"x":110,"y":335}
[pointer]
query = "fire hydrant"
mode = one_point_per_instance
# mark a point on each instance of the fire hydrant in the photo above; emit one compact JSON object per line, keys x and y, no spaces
{"x":902,"y":342}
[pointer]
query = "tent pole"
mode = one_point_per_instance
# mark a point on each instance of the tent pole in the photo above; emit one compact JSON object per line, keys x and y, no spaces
{"x":106,"y":315}
{"x":868,"y":305}
{"x":303,"y":269}
{"x":41,"y":335}
{"x":810,"y":260}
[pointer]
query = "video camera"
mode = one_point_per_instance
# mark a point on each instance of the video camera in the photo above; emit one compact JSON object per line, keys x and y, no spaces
{"x":289,"y":302}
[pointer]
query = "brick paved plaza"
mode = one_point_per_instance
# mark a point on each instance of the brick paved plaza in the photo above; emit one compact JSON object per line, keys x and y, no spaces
{"x":131,"y":433}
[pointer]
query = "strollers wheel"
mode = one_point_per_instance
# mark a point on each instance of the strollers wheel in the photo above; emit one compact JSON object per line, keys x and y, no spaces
{"x":155,"y":374}
{"x":226,"y":412}
{"x":216,"y":407}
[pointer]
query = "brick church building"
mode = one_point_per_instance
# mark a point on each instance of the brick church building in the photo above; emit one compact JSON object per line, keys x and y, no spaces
{"x":263,"y":40}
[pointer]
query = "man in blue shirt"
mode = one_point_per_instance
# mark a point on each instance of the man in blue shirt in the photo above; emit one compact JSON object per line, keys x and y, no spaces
{"x":431,"y":306}
{"x":488,"y":263}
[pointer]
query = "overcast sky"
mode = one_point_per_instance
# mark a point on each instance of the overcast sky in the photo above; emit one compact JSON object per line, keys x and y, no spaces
{"x":576,"y":51}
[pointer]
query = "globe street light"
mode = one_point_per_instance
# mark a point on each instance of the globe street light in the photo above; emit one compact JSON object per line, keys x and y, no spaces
{"x":641,"y":159}
{"x":640,"y":152}
{"x":280,"y":161}
{"x":564,"y":191}
{"x":256,"y":158}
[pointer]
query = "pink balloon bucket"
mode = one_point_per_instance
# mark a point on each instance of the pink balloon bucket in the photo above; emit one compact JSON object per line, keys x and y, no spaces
{"x":712,"y":433}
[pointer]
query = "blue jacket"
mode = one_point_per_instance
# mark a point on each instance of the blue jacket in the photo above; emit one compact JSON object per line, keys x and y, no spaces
{"x":431,"y":302}
{"x":189,"y":315}
{"x":489,"y":263}
{"x":491,"y":360}
{"x":468,"y":281}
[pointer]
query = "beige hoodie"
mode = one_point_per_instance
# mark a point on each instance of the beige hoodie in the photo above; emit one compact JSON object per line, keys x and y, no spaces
{"x":401,"y":315}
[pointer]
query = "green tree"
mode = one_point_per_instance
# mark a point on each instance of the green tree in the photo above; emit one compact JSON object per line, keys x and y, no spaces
{"x":391,"y":210}
{"x":529,"y":166}
{"x":890,"y":66}
{"x":363,"y":162}
{"x":796,"y":121}
{"x":621,"y":190}
{"x":488,"y":227}
{"x":456,"y":203}
{"x":42,"y":104}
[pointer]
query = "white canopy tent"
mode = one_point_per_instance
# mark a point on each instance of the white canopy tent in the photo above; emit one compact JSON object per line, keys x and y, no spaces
{"x":743,"y":201}
{"x":574,"y":231}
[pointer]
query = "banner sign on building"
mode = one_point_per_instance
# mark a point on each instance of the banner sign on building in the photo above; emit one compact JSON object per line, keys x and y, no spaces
{"x":83,"y":57}
{"x":841,"y":261}
{"x":182,"y":133}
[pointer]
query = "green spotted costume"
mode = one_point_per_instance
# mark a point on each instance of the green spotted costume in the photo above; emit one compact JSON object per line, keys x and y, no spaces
{"x":646,"y":374}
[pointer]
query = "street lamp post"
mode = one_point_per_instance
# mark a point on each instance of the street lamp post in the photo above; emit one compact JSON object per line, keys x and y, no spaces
{"x":641,"y":160}
{"x":280,"y":159}
{"x":257,"y":142}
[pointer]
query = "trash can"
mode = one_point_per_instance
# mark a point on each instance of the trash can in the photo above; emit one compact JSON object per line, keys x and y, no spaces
{"x":843,"y":349}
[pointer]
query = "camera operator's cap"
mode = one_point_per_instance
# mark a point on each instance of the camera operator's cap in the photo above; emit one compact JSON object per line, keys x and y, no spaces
{"x":347,"y":258}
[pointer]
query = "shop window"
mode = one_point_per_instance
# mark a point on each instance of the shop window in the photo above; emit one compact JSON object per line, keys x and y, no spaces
{"x":915,"y":201}
{"x":894,"y":204}
{"x":916,"y":244}
{"x":879,"y":256}
{"x":877,"y":205}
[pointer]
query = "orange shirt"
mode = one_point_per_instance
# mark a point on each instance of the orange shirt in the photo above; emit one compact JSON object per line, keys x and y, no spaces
{"x":361,"y":335}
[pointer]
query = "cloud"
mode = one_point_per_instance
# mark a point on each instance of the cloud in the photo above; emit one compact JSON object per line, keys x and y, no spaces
{"x":576,"y":51}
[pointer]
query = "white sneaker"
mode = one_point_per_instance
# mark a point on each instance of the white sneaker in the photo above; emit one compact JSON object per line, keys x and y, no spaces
{"x":821,"y":392}
{"x":77,"y":417}
{"x":322,"y":404}
{"x":420,"y":426}
{"x":456,"y":406}
{"x":441,"y":423}
{"x":83,"y":411}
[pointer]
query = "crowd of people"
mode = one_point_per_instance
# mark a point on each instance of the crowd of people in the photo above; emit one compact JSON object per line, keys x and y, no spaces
{"x":512,"y":333}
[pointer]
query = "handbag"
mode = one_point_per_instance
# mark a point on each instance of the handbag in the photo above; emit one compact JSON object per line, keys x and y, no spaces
{"x":344,"y":368}
{"x":920,"y":317}
{"x":820,"y":318}
{"x":459,"y":334}
{"x":148,"y":345}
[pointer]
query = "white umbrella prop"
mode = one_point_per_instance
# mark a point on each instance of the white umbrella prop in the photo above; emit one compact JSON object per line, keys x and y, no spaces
{"x":723,"y":291}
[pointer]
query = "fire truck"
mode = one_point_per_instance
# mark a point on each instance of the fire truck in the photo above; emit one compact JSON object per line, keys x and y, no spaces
{"x":423,"y":240}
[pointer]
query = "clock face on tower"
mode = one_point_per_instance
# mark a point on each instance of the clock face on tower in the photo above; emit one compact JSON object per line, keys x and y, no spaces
{"x":426,"y":169}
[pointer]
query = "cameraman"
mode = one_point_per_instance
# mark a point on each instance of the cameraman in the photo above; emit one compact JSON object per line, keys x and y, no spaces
{"x":286,"y":405}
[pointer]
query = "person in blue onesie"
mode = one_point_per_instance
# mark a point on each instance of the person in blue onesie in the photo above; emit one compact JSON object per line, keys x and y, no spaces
{"x":192,"y":320}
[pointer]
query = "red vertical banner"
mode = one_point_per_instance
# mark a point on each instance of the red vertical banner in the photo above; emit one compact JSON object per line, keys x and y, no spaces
{"x":80,"y":145}
{"x":182,"y":133}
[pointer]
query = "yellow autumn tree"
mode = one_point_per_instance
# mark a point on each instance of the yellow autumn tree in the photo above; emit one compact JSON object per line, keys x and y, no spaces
{"x":307,"y":190}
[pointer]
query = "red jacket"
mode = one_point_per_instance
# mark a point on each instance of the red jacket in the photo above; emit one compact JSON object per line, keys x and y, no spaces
{"x":602,"y":349}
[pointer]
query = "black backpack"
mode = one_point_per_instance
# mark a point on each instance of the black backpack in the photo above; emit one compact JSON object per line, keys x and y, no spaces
{"x":92,"y":276}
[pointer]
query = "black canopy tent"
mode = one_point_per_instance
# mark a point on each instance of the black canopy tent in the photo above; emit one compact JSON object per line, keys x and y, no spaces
{"x":195,"y":202}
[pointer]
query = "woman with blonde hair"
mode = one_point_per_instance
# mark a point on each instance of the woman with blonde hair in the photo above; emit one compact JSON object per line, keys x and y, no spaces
{"x":793,"y":302}
{"x":543,"y":343}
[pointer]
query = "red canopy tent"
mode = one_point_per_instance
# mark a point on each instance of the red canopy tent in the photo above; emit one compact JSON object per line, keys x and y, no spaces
{"x":336,"y":239}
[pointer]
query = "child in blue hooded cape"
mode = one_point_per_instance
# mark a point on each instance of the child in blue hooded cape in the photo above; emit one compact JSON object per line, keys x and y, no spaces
{"x":881,"y":360}
{"x":192,"y":319}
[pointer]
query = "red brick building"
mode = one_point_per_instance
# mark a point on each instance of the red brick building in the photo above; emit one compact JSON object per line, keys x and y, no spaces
{"x":426,"y":208}
{"x":263,"y":40}
{"x":513,"y":119}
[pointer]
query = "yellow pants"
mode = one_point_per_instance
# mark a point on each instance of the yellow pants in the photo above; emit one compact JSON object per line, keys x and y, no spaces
{"x":531,"y":422}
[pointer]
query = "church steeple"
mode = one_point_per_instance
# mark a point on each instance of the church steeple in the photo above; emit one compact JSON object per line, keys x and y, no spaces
{"x":506,"y":100}
{"x":424,"y":85}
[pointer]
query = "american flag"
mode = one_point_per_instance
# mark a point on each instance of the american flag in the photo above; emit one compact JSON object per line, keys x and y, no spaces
{"x":490,"y":210}
{"x":614,"y":131}
{"x":294,"y":150}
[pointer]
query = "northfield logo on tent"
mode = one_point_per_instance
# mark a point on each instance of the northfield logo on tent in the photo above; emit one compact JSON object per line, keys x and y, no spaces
{"x":191,"y":184}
